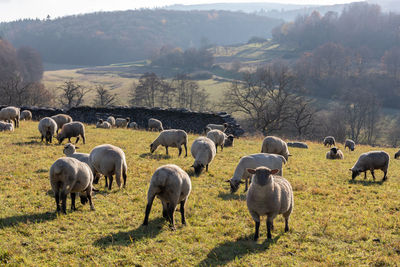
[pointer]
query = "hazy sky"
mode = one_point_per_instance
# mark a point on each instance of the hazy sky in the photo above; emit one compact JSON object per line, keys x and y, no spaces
{"x":16,"y":9}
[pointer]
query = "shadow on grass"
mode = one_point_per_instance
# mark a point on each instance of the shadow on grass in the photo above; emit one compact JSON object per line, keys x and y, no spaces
{"x":229,"y":196}
{"x":128,"y":237}
{"x":231,"y":250}
{"x":154,"y":156}
{"x":37,"y":218}
{"x":41,"y":170}
{"x":366,"y":182}
{"x":33,"y":142}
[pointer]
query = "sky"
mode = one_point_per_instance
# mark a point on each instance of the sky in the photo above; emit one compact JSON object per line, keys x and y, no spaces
{"x":19,"y":9}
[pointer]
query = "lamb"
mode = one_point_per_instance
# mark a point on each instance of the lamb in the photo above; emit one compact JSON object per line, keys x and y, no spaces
{"x":122,"y":123}
{"x":111,"y":121}
{"x":269,"y":195}
{"x":297,"y":145}
{"x":171,"y":138}
{"x":334,"y":153}
{"x":370,"y":161}
{"x":329,"y":141}
{"x":275,"y":145}
{"x":61,"y":119}
{"x":6,"y":126}
{"x":72,"y":129}
{"x":133,"y":125}
{"x":47,"y":128}
{"x":172,"y":186}
{"x":228,"y":140}
{"x":10,"y":114}
{"x":217,"y":137}
{"x":221,"y":127}
{"x":26,"y":115}
{"x":109,"y":160}
{"x":103,"y":124}
{"x":203,"y":151}
{"x":350,"y":144}
{"x":70,"y":176}
{"x":253,"y":161}
{"x":155,"y":124}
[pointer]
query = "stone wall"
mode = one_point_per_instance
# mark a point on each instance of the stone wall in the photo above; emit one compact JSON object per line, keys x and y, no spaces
{"x":171,"y":118}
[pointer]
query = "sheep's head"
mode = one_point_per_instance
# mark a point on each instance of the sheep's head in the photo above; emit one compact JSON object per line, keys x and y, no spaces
{"x":198,"y":168}
{"x":84,"y":199}
{"x":69,"y":149}
{"x":234,"y":185}
{"x":355,"y":173}
{"x":334,"y":150}
{"x":153,"y":147}
{"x":262,"y":175}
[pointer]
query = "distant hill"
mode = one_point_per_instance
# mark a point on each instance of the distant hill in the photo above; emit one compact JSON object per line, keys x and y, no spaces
{"x":111,"y":37}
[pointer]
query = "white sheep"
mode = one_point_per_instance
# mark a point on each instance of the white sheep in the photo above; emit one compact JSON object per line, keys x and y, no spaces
{"x":269,"y":195}
{"x":47,"y":128}
{"x":70,"y":176}
{"x":275,"y":145}
{"x":228,"y":140}
{"x":334,"y":153}
{"x":370,"y":161}
{"x":350,"y":144}
{"x":6,"y":126}
{"x":61,"y":119}
{"x":172,"y":186}
{"x":109,"y":160}
{"x":121,"y":122}
{"x":218,"y":137}
{"x":171,"y":138}
{"x":10,"y":114}
{"x":155,"y":124}
{"x":329,"y":141}
{"x":203,"y":151}
{"x":297,"y":145}
{"x":26,"y":115}
{"x":133,"y":125}
{"x":111,"y":121}
{"x":103,"y":124}
{"x":272,"y":161}
{"x":72,"y":129}
{"x":70,"y":151}
{"x":221,"y":127}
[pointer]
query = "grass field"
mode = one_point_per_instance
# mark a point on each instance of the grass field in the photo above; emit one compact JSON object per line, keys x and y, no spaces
{"x":335,"y":221}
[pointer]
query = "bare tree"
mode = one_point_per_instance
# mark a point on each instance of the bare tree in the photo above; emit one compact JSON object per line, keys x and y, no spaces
{"x":146,"y":91}
{"x":104,"y":98}
{"x":189,"y":94}
{"x":303,"y":117}
{"x":72,"y":94}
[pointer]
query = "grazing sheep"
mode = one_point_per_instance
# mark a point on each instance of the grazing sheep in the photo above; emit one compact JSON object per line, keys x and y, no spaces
{"x":72,"y":129}
{"x":26,"y":115}
{"x":10,"y":114}
{"x":297,"y":144}
{"x":70,"y":151}
{"x":122,"y":123}
{"x":203,"y":151}
{"x":221,"y":127}
{"x":70,"y":176}
{"x":171,"y":138}
{"x":228,"y":140}
{"x":61,"y":119}
{"x":133,"y":125}
{"x":334,"y":153}
{"x":253,"y":161}
{"x":47,"y":128}
{"x":172,"y":186}
{"x":218,"y":137}
{"x":269,"y":195}
{"x":111,"y":121}
{"x":6,"y":126}
{"x":109,"y":160}
{"x":350,"y":144}
{"x":397,"y":154}
{"x":275,"y":145}
{"x":329,"y":141}
{"x":155,"y":124}
{"x":370,"y":161}
{"x":103,"y":124}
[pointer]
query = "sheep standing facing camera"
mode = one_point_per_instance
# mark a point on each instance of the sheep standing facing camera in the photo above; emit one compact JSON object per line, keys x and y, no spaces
{"x":334,"y":153}
{"x":26,"y":115}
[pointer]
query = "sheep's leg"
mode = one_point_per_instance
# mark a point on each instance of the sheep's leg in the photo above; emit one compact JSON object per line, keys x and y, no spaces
{"x":124,"y":176}
{"x":180,"y":151}
{"x":69,"y":140}
{"x":110,"y":178}
{"x":216,"y":148}
{"x":286,"y":224}
{"x":269,"y":227}
{"x":77,"y":139}
{"x":166,"y":149}
{"x":148,"y":209}
{"x":89,"y":196}
{"x":246,"y":185}
{"x":207,"y":167}
{"x":222,"y":147}
{"x":185,"y":149}
{"x":365,"y":175}
{"x":105,"y":177}
{"x":373,"y":174}
{"x":171,"y":210}
{"x":257,"y":231}
{"x":42,"y":139}
{"x":63,"y":202}
{"x":165,"y":210}
{"x":73,"y":195}
{"x":57,"y":195}
{"x":182,"y":209}
{"x":384,"y":175}
{"x":83,"y":139}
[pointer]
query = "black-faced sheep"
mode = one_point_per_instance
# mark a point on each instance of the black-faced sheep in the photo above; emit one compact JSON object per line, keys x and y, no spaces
{"x":47,"y":128}
{"x":329,"y":141}
{"x":218,"y":137}
{"x":171,"y":138}
{"x":371,"y":161}
{"x":10,"y":114}
{"x":72,"y":129}
{"x":350,"y":144}
{"x":61,"y":119}
{"x":275,"y":145}
{"x":334,"y":153}
{"x":121,"y":122}
{"x":133,"y":125}
{"x":228,"y":140}
{"x":111,"y":121}
{"x":6,"y":126}
{"x":203,"y":152}
{"x":26,"y":115}
{"x":297,"y":145}
{"x":103,"y":124}
{"x":155,"y":124}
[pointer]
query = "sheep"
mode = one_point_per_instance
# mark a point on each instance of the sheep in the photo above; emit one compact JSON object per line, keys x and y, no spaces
{"x":155,"y":124}
{"x":269,"y":195}
{"x":6,"y":126}
{"x":103,"y":124}
{"x":275,"y":145}
{"x":109,"y":160}
{"x":47,"y":128}
{"x":228,"y":140}
{"x":122,"y":123}
{"x":26,"y":115}
{"x":397,"y":154}
{"x":70,"y":176}
{"x":334,"y":153}
{"x":111,"y":121}
{"x":217,"y":137}
{"x":221,"y":127}
{"x":70,"y":151}
{"x":133,"y":125}
{"x":203,"y":151}
{"x":370,"y":161}
{"x":329,"y":141}
{"x":297,"y":145}
{"x":171,"y":138}
{"x":61,"y":119}
{"x":72,"y":129}
{"x":272,"y":161}
{"x":10,"y":114}
{"x":350,"y":144}
{"x":172,"y":186}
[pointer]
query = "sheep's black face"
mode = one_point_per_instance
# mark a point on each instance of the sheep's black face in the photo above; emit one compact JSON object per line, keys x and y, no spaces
{"x":198,"y":169}
{"x":396,"y":155}
{"x":334,"y":150}
{"x":60,"y":139}
{"x":354,"y":174}
{"x":352,"y":149}
{"x":234,"y":186}
{"x":262,"y":177}
{"x":84,"y":200}
{"x":152,"y":149}
{"x":96,"y":178}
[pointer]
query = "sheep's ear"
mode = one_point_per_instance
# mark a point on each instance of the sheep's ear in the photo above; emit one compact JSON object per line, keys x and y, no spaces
{"x":228,"y":181}
{"x":251,"y":171}
{"x":192,"y":166}
{"x":274,"y":171}
{"x":77,"y":147}
{"x":350,"y":170}
{"x":290,"y":155}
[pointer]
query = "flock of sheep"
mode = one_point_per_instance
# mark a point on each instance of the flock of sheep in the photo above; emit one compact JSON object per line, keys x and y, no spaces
{"x":268,"y":194}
